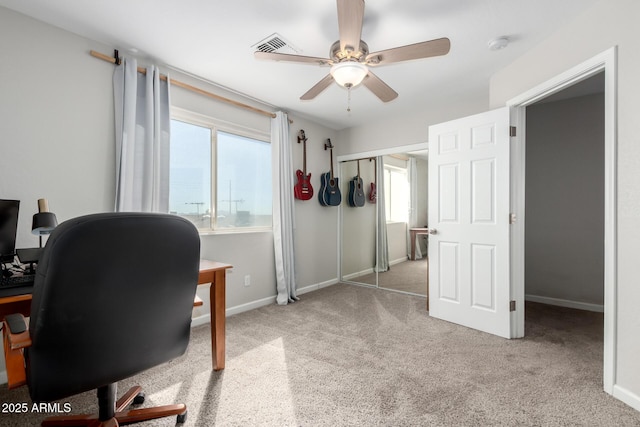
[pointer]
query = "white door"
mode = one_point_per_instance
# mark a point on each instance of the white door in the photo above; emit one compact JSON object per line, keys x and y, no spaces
{"x":469,"y":214}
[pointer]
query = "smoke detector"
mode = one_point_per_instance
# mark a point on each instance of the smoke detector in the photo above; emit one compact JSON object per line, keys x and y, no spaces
{"x":498,"y":43}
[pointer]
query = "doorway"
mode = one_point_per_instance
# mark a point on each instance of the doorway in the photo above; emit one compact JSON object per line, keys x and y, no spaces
{"x":564,"y":190}
{"x":605,"y":64}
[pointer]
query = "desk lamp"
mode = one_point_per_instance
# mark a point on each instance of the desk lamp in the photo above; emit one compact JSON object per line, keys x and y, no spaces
{"x":44,"y":221}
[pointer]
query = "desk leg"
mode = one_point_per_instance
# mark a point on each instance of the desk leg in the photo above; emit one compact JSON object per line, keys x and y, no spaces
{"x":217,"y":297}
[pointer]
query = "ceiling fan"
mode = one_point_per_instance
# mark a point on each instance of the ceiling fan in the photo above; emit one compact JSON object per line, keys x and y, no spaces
{"x":350,"y":59}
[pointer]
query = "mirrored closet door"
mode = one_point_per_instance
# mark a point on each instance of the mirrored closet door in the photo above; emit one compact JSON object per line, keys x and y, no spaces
{"x":358,"y":221}
{"x":376,"y":245}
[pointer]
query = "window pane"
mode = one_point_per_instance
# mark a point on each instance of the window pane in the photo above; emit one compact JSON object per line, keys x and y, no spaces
{"x":396,"y":195}
{"x":190,"y":173}
{"x":244,"y":182}
{"x":400,"y":192}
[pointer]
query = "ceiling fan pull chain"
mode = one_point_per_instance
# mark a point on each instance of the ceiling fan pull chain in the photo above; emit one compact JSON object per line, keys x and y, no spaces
{"x":349,"y":100}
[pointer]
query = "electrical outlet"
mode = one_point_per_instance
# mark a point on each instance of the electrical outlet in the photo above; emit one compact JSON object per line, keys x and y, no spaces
{"x":247,"y":280}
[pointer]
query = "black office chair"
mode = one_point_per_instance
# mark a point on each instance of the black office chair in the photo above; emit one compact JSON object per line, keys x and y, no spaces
{"x":113,"y":296}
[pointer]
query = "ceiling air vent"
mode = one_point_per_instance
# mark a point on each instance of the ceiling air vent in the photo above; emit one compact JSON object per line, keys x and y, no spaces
{"x":275,"y":43}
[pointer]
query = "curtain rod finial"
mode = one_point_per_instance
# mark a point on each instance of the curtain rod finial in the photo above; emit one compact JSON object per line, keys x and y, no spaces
{"x":116,"y":55}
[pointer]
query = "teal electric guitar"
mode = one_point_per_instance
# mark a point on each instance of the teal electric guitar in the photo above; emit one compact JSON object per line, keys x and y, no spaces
{"x":329,"y":194}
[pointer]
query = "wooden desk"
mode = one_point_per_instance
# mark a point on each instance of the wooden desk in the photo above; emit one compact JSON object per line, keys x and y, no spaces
{"x":215,"y":273}
{"x":15,"y":304}
{"x":414,"y":232}
{"x":210,"y":272}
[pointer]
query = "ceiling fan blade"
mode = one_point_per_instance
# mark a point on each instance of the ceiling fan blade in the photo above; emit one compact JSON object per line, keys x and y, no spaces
{"x":319,"y":87}
{"x":350,"y":15}
{"x":273,"y":56}
{"x":379,"y":88}
{"x":421,"y":50}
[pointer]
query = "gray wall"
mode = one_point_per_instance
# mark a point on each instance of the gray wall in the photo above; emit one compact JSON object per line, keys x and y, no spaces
{"x":565,"y":200}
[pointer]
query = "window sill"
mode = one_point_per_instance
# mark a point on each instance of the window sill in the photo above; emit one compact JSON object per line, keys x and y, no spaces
{"x":235,"y":231}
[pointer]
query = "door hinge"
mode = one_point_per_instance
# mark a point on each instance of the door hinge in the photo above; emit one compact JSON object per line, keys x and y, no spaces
{"x":512,"y":306}
{"x":512,"y":131}
{"x":512,"y":218}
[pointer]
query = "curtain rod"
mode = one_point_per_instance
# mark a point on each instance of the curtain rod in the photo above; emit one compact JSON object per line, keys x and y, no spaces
{"x":355,"y":160}
{"x":175,"y":82}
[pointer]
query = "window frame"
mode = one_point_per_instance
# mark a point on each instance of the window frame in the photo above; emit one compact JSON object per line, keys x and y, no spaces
{"x":215,"y":126}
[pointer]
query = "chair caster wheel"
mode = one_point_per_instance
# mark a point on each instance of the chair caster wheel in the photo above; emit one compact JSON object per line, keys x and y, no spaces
{"x":181,"y":418}
{"x":139,"y":399}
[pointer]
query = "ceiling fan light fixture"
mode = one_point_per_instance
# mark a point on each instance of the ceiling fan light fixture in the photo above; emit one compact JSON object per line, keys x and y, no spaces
{"x":349,"y":74}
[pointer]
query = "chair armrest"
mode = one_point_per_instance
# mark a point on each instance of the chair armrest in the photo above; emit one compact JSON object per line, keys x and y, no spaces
{"x":15,"y":327}
{"x":16,"y":338}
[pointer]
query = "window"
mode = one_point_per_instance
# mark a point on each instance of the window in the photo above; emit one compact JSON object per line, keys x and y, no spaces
{"x":396,"y":194}
{"x":220,"y":178}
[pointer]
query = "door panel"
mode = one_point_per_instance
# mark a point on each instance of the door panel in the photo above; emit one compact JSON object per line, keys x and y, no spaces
{"x":469,"y":209}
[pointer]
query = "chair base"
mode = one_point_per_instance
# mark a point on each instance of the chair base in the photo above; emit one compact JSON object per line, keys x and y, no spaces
{"x":121,"y":417}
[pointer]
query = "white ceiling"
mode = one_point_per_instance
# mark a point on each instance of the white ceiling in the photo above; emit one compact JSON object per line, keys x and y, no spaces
{"x":213,"y":40}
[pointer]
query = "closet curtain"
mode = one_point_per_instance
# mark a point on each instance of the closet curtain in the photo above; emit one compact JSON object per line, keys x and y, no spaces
{"x":412,"y":176}
{"x":143,"y":124}
{"x":382,"y":245}
{"x":283,"y":214}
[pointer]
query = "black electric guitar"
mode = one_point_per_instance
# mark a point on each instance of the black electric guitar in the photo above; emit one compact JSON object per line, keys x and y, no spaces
{"x":356,"y":193}
{"x":329,"y":194}
{"x":303,"y":189}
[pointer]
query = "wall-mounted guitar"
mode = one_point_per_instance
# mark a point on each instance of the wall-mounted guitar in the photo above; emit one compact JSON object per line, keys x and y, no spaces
{"x":329,"y":194}
{"x":303,"y":189}
{"x":356,"y":194}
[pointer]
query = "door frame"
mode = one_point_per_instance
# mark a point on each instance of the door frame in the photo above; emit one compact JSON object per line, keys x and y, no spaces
{"x":607,"y":62}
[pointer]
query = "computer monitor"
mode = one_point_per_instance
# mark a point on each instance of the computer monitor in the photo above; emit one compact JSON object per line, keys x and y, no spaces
{"x":8,"y":228}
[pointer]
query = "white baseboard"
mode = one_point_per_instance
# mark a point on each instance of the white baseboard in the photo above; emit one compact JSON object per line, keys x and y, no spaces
{"x":317,"y":286}
{"x":206,"y":318}
{"x":357,"y":274}
{"x":627,"y":397}
{"x":397,"y":261}
{"x":565,"y":303}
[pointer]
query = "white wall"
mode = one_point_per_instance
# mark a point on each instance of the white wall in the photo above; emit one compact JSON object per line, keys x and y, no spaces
{"x":408,"y":129}
{"x":56,"y":117}
{"x":565,"y":200}
{"x":605,"y":24}
{"x":316,"y":234}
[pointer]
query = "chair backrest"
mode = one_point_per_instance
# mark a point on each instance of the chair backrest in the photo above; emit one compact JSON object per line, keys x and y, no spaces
{"x":113,"y":296}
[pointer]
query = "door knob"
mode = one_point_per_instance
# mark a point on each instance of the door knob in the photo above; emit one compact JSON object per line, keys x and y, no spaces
{"x":433,"y":231}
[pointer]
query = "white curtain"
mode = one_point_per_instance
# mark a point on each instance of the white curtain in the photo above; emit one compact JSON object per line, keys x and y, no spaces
{"x":382,"y":263}
{"x":143,"y":124}
{"x":283,"y":218}
{"x":412,"y":176}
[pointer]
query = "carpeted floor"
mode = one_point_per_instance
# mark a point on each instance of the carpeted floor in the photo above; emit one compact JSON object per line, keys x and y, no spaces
{"x":354,"y":356}
{"x":408,"y":276}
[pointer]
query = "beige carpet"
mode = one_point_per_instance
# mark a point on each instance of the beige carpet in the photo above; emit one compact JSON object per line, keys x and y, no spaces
{"x":407,"y":276}
{"x":354,"y":356}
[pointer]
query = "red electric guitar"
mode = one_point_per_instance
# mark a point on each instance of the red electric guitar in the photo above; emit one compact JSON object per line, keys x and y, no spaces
{"x":303,"y":189}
